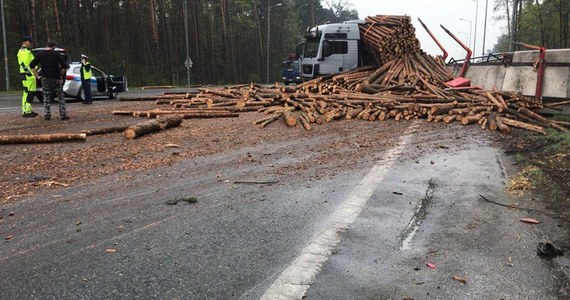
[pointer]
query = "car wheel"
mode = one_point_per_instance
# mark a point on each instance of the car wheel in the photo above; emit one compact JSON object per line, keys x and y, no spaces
{"x":113,"y":95}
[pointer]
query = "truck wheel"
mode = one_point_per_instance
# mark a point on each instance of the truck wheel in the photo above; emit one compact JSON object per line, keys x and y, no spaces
{"x":113,"y":95}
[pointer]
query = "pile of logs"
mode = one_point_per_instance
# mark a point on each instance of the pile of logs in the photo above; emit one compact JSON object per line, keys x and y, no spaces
{"x":389,"y":37}
{"x":407,"y":84}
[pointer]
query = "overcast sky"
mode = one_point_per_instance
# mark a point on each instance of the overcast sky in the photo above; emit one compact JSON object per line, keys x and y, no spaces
{"x":436,"y":12}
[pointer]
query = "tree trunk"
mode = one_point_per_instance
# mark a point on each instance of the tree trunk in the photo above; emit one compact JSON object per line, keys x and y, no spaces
{"x":540,"y":24}
{"x":154,"y":26}
{"x":259,"y":37}
{"x":212,"y":40}
{"x":46,"y":9}
{"x":58,"y":32}
{"x":34,"y":29}
{"x":139,"y":130}
{"x":42,"y":138}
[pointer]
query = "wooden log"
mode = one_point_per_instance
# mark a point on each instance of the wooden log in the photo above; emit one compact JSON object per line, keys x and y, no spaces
{"x":208,"y":115}
{"x":122,"y":112}
{"x":42,"y":138}
{"x":151,"y":126}
{"x":207,"y":111}
{"x":493,"y":100}
{"x":492,"y":121}
{"x":105,"y":130}
{"x":526,"y":112}
{"x":523,"y":125}
{"x":305,"y":122}
{"x":150,"y":98}
{"x":290,"y":118}
{"x":263,"y":120}
{"x":449,"y":118}
{"x":559,"y":103}
{"x":484,"y":123}
{"x":270,"y":120}
{"x":470,"y":119}
{"x":503,"y":128}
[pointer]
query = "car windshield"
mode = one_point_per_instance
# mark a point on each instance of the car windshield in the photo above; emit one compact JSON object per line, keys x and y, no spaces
{"x":312,"y":47}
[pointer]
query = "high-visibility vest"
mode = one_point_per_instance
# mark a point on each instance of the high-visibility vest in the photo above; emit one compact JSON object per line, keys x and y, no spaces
{"x":25,"y":56}
{"x":87,"y":74}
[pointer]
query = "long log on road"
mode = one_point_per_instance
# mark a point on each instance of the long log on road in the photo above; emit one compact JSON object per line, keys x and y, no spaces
{"x":151,"y":98}
{"x":42,"y":138}
{"x":105,"y":130}
{"x":159,"y":124}
{"x":208,"y":115}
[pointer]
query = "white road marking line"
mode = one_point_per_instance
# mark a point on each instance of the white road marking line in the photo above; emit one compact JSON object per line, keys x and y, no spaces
{"x":296,"y":279}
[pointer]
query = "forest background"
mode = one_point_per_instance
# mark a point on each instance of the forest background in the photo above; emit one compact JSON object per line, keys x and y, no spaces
{"x":227,"y":38}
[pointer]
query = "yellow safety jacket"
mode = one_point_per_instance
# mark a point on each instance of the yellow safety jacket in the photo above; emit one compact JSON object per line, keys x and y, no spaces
{"x":86,"y":69}
{"x":25,"y":56}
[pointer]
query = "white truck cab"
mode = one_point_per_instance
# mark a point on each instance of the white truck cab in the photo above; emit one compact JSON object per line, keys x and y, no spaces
{"x":330,"y":49}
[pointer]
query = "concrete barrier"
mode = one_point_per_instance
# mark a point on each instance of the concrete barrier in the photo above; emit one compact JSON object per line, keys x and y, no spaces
{"x":521,"y":76}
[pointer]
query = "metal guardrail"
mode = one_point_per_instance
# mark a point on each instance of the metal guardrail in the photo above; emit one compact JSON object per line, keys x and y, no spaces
{"x":504,"y":58}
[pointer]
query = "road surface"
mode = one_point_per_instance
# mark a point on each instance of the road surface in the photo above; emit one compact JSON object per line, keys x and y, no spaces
{"x":353,"y":211}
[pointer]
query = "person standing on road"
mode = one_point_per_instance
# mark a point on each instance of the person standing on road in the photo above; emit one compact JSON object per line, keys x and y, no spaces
{"x":53,"y":68}
{"x":86,"y":75}
{"x":25,"y":57}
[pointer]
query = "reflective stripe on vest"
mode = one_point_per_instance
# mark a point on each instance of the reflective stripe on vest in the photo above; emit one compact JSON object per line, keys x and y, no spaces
{"x":87,"y":74}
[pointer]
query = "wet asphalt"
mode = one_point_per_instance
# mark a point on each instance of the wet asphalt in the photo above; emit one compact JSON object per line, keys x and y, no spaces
{"x":116,"y":238}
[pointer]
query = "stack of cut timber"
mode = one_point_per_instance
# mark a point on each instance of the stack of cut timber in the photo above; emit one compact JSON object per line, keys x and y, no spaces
{"x":389,"y":37}
{"x":406,"y":84}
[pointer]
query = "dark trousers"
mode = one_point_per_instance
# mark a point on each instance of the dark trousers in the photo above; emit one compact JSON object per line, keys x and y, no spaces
{"x":86,"y":86}
{"x":52,"y":87}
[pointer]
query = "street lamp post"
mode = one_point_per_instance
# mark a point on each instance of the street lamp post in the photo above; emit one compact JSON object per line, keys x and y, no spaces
{"x":470,"y":30}
{"x":485,"y":26}
{"x":188,"y":61}
{"x":5,"y":48}
{"x":269,"y":7}
{"x":475,"y":33}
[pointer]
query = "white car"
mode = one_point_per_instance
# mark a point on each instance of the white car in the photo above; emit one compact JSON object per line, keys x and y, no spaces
{"x":101,"y":83}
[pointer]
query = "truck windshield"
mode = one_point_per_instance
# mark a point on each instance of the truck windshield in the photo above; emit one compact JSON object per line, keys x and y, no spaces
{"x":311,"y":48}
{"x":291,"y":66}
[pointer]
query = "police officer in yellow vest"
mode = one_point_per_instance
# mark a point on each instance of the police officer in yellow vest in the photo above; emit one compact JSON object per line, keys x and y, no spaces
{"x":86,"y":75}
{"x":25,"y":56}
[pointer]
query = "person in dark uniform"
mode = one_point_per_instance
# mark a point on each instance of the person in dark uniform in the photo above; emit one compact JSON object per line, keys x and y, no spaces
{"x":53,"y":69}
{"x":86,"y":75}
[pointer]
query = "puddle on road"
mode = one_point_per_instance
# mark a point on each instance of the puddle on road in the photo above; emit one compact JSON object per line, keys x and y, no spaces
{"x":416,"y":220}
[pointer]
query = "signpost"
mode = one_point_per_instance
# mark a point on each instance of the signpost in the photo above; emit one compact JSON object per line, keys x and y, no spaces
{"x":188,"y":64}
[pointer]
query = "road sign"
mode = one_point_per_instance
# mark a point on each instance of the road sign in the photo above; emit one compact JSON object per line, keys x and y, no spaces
{"x":188,"y":63}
